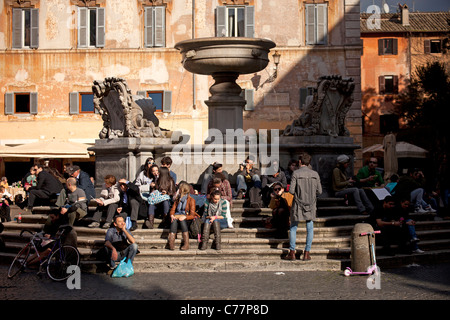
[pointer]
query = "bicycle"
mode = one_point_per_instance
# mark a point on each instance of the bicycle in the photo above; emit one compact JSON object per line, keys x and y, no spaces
{"x":56,"y":262}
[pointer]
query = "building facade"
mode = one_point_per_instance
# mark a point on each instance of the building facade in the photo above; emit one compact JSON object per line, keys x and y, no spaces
{"x":393,"y":47}
{"x":51,"y":51}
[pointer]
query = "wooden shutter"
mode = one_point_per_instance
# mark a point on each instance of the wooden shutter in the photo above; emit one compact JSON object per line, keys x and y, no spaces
{"x":249,"y":21}
{"x":427,"y":46}
{"x":310,"y":24}
{"x":322,"y":23}
{"x":167,"y":101}
{"x":381,"y":86}
{"x":82,"y":27}
{"x":395,"y":84}
{"x":160,"y":26}
{"x":303,"y":95}
{"x":395,"y":46}
{"x":148,"y":27}
{"x":221,"y":21}
{"x":33,"y":103}
{"x":74,"y":103}
{"x":380,"y":47}
{"x":9,"y":103}
{"x":34,"y":32}
{"x":100,"y":30}
{"x":248,"y":96}
{"x":17,"y":30}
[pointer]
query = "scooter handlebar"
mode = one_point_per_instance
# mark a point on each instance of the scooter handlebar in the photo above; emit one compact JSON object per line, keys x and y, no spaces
{"x":368,"y":233}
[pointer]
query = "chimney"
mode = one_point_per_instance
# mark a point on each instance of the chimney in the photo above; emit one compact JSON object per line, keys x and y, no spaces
{"x":404,"y":14}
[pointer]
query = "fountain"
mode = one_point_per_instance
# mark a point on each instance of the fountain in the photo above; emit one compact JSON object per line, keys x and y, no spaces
{"x":225,"y":59}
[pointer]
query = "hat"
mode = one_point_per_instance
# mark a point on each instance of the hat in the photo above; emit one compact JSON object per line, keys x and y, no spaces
{"x":343,"y":158}
{"x":70,"y":170}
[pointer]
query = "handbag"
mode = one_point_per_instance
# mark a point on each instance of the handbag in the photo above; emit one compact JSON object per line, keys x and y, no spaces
{"x":157,"y":197}
{"x":195,"y":229}
{"x":124,"y":269}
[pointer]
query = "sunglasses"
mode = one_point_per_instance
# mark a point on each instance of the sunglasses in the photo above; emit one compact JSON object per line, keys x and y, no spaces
{"x":374,"y":162}
{"x":277,"y":189}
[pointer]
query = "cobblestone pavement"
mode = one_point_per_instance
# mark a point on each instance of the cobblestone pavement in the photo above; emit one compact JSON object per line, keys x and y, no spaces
{"x":425,"y":282}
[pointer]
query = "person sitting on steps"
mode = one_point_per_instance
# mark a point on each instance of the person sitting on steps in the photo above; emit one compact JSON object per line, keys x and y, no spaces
{"x":215,"y":214}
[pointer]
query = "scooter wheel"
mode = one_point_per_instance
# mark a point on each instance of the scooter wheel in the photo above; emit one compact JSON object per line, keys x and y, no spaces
{"x":347,"y":272}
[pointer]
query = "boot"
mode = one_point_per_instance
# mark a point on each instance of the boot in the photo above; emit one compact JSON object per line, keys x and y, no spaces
{"x":171,"y":241}
{"x":150,"y":222}
{"x":217,"y":235}
{"x":306,"y":256}
{"x":290,"y":255}
{"x":185,"y":245}
{"x":205,"y":235}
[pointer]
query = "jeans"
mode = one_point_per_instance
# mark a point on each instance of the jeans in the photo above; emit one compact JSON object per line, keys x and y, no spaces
{"x":412,"y":233}
{"x":129,"y":252}
{"x":309,"y":235}
{"x":223,"y":223}
{"x":110,"y":210}
{"x":417,"y":198}
{"x":242,"y":185}
{"x":165,"y":205}
{"x":175,"y":223}
{"x":359,"y":196}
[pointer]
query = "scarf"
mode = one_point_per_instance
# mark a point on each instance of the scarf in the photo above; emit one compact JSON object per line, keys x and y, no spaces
{"x":181,"y":207}
{"x":213,"y":208}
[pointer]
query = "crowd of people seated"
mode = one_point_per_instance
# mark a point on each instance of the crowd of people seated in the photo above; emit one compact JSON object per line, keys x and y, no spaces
{"x":155,"y":193}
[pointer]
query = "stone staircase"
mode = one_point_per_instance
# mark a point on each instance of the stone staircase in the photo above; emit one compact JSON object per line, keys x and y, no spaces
{"x":249,"y":245}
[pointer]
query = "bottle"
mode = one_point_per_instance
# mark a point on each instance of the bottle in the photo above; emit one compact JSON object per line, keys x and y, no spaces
{"x":19,"y":218}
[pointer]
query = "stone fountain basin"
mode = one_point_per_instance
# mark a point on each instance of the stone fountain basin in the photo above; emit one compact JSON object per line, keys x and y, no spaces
{"x":227,"y":54}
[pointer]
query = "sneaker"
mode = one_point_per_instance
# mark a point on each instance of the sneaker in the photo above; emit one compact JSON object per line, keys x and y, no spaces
{"x":418,"y":251}
{"x":94,"y":224}
{"x":415,"y":239}
{"x":429,"y":209}
{"x":133,"y":226}
{"x":419,"y":209}
{"x":106,"y":225}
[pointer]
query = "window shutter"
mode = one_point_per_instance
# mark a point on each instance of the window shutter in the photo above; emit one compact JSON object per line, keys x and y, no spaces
{"x":160,"y":26}
{"x":82,"y":27}
{"x":148,"y":27}
{"x":322,"y":24}
{"x":221,"y":26}
{"x":100,"y":30}
{"x":248,"y":96}
{"x":249,"y":21}
{"x":395,"y":46}
{"x":33,"y":103}
{"x":9,"y":103}
{"x":395,"y":79}
{"x":381,"y":84}
{"x":34,"y":28}
{"x":303,"y":95}
{"x":74,"y":103}
{"x":167,"y":101}
{"x":309,"y":21}
{"x":380,"y":47}
{"x":427,"y":46}
{"x":17,"y":29}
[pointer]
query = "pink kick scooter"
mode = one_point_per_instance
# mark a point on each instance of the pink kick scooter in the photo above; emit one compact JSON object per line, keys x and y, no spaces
{"x":371,"y":269}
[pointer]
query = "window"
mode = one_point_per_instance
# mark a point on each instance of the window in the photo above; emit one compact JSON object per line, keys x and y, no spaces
{"x":389,"y":123}
{"x":91,"y":27}
{"x":162,"y":100}
{"x":316,"y":24}
{"x":21,"y":103}
{"x":304,"y":93}
{"x":81,"y":102}
{"x":247,"y":94}
{"x":25,"y":28}
{"x":388,"y":84}
{"x":155,"y":27}
{"x":433,"y":46}
{"x":387,"y":47}
{"x":235,"y":21}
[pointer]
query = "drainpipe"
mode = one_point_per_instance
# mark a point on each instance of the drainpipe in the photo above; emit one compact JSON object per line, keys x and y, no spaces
{"x":193,"y":74}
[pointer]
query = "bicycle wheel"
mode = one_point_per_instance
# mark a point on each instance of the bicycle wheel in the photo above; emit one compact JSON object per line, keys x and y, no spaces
{"x":19,"y":261}
{"x":60,"y":260}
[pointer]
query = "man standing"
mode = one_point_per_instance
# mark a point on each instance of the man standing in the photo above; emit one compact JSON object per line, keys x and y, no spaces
{"x":47,"y":187}
{"x":305,"y":186}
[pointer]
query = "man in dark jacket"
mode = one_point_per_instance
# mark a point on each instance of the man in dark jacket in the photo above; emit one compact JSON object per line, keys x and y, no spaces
{"x":84,"y":182}
{"x":130,"y":202}
{"x":47,"y":187}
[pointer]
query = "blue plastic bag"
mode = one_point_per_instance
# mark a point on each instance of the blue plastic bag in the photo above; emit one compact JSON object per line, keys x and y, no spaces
{"x":124,"y":269}
{"x":128,"y":223}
